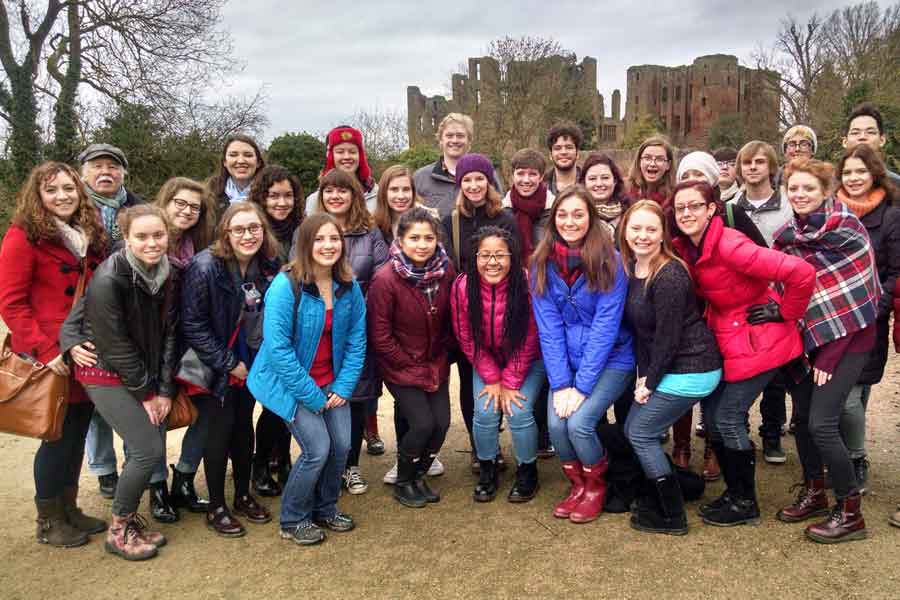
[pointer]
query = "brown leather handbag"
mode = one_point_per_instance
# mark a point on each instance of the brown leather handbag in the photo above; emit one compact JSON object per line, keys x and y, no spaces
{"x":183,"y":412}
{"x":32,"y":397}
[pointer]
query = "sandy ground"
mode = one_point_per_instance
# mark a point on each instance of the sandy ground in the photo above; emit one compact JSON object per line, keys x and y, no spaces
{"x":457,"y":549}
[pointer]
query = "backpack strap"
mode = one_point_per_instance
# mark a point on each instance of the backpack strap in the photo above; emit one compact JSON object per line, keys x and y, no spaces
{"x":454,"y":217}
{"x":729,"y":214}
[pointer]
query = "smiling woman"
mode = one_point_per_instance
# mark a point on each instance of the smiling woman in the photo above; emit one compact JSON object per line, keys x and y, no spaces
{"x":347,"y":152}
{"x":240,"y":161}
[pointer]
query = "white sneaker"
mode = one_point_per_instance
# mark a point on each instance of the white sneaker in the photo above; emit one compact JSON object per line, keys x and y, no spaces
{"x":390,"y":477}
{"x":354,"y":481}
{"x":436,"y":468}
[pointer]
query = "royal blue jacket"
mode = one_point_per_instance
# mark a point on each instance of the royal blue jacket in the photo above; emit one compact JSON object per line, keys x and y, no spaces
{"x":280,"y":378}
{"x":581,"y":330}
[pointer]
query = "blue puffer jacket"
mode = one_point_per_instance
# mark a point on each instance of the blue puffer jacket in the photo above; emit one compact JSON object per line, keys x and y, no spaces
{"x":280,"y":378}
{"x":581,"y":330}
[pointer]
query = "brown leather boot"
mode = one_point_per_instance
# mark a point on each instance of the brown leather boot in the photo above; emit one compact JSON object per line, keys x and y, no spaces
{"x":711,"y":471}
{"x":573,"y":471}
{"x":844,"y":524}
{"x":124,"y":539}
{"x":75,"y":517}
{"x":681,"y":441}
{"x":52,"y":527}
{"x":811,"y":502}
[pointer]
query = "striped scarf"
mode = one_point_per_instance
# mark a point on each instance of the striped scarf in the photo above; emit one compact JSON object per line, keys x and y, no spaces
{"x":845,"y":299}
{"x":568,"y":260}
{"x":427,"y":278}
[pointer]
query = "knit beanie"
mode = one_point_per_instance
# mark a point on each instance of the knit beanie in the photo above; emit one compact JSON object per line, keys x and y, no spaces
{"x":801,"y":130}
{"x":346,"y":134}
{"x":699,"y":161}
{"x":471,"y":163}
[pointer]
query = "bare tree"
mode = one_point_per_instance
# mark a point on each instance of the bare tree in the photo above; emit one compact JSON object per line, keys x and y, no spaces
{"x":384,"y":131}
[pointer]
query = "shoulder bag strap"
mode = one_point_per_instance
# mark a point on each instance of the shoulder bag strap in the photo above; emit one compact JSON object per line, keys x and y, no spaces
{"x":454,"y":217}
{"x":729,"y":214}
{"x":82,"y":278}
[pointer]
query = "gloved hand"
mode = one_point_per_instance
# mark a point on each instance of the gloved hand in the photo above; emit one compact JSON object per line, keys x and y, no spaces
{"x":758,"y":314}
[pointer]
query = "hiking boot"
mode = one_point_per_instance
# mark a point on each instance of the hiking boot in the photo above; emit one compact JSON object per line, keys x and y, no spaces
{"x":526,"y":485}
{"x":486,"y":488}
{"x":340,"y":522}
{"x":124,"y":539}
{"x":153,"y":537}
{"x":183,"y":494}
{"x":107,"y":485}
{"x":845,"y":523}
{"x":811,"y":502}
{"x":52,"y":526}
{"x":76,"y":518}
{"x":306,"y":533}
{"x":772,"y":451}
{"x":354,"y":482}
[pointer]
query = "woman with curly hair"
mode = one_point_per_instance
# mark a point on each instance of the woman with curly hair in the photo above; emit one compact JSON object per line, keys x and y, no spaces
{"x":652,"y":174}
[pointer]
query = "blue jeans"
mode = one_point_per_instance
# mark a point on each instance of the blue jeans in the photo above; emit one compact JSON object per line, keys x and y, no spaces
{"x":315,"y":482}
{"x":522,"y":426}
{"x":99,"y":447}
{"x":725,"y":410}
{"x":646,"y":424}
{"x":576,"y":438}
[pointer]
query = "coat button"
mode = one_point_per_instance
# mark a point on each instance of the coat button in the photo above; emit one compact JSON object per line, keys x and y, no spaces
{"x":735,"y":323}
{"x":70,"y":291}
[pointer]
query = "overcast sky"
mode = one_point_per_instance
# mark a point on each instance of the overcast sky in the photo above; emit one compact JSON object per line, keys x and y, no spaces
{"x":322,"y":62}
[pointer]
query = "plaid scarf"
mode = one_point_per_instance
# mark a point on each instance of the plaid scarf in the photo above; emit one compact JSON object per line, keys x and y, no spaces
{"x":845,"y":299}
{"x":568,"y":260}
{"x":427,"y":278}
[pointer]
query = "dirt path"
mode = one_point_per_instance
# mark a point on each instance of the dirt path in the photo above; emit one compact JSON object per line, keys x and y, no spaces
{"x":457,"y":549}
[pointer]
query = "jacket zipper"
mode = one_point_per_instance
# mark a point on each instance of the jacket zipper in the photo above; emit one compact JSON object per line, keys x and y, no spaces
{"x":493,"y":301}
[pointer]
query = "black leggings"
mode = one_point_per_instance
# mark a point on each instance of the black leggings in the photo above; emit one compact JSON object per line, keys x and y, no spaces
{"x":428,"y":417}
{"x":466,"y":395}
{"x":818,"y":434}
{"x":230,"y":436}
{"x":272,"y":438}
{"x":57,"y":465}
{"x":358,"y":410}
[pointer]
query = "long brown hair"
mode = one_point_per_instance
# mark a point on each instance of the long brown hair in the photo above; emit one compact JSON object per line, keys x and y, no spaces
{"x":636,"y":181}
{"x":358,"y":218}
{"x":268,"y":176}
{"x":203,"y":230}
{"x":667,"y":252}
{"x":221,"y":248}
{"x":493,"y":204}
{"x":37,"y":221}
{"x":303,"y":267}
{"x":875,"y":166}
{"x":217,"y":182}
{"x":598,"y":254}
{"x":382,"y":216}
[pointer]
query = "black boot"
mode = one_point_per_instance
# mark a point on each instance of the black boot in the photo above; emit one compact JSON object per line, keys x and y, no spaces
{"x":526,"y":485}
{"x":183,"y":493}
{"x":742,"y":509}
{"x":486,"y":489}
{"x":668,"y":517}
{"x":161,"y":508}
{"x":727,"y":476}
{"x":421,"y":480}
{"x":405,"y":490}
{"x":263,"y":484}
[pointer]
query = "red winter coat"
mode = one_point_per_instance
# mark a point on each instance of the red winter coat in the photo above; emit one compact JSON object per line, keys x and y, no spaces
{"x":733,"y":273}
{"x":489,"y":363}
{"x":37,"y":283}
{"x":411,"y":340}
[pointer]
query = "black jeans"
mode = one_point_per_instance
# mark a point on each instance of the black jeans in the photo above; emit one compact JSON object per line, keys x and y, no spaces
{"x":818,"y":434}
{"x":466,"y":392}
{"x":772,"y":409}
{"x":358,"y":410}
{"x":272,"y":436}
{"x":427,"y":415}
{"x":230,"y":436}
{"x":57,"y":465}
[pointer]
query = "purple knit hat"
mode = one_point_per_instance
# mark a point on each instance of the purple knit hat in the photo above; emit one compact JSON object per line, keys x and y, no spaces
{"x":471,"y":163}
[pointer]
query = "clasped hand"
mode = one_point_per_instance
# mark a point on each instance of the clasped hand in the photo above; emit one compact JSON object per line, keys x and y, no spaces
{"x":502,"y":398}
{"x":566,"y":401}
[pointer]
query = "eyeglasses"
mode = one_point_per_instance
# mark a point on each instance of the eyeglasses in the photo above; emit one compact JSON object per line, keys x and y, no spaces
{"x":182,"y":205}
{"x":799,"y":145}
{"x":726,"y":164}
{"x":693,"y":207}
{"x":487,"y":257}
{"x":238,"y":231}
{"x":654,"y":160}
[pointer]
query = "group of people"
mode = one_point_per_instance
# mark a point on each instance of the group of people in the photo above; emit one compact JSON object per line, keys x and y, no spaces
{"x":711,"y":279}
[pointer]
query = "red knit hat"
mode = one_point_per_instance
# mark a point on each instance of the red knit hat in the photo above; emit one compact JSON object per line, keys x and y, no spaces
{"x":346,"y":134}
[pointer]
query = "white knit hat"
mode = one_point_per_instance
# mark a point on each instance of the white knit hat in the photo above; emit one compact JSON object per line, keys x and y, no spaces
{"x":699,"y":161}
{"x":804,"y":130}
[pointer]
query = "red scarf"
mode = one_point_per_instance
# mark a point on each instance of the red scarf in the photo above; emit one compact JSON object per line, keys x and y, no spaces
{"x":528,"y":212}
{"x":568,"y":260}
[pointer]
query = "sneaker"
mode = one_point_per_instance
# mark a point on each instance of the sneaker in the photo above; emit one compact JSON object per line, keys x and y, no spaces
{"x":340,"y":522}
{"x":107,"y":485}
{"x":354,"y":481}
{"x":390,"y":477}
{"x":306,"y":533}
{"x":861,"y":466}
{"x":435,"y":470}
{"x":772,"y":451}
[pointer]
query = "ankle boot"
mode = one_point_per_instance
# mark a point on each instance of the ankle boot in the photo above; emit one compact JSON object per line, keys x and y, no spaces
{"x":811,"y":502}
{"x":124,"y":539}
{"x":526,"y":485}
{"x":52,"y":527}
{"x":681,"y":440}
{"x":263,"y":484}
{"x":374,"y":443}
{"x":75,"y":517}
{"x":161,"y":508}
{"x":405,"y":490}
{"x":573,"y":471}
{"x":718,"y":449}
{"x":743,"y":508}
{"x":668,"y":515}
{"x":591,"y":504}
{"x":184,"y":495}
{"x":422,"y":481}
{"x":844,"y":524}
{"x":486,"y":488}
{"x":711,"y":470}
